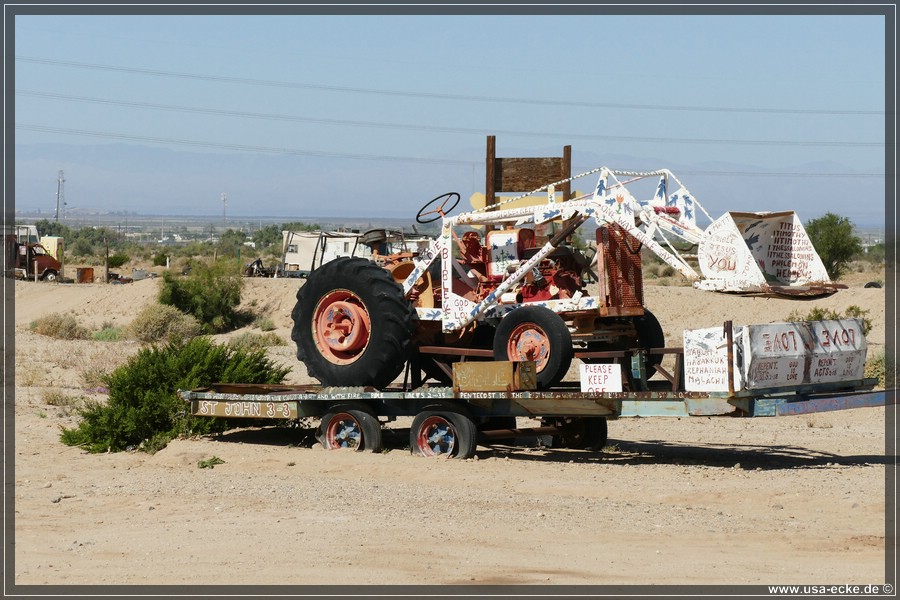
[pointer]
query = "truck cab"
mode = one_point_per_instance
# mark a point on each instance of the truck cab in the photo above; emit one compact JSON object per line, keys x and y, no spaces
{"x":25,"y":259}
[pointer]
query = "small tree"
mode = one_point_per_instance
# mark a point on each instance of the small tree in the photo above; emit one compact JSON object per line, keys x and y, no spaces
{"x":832,"y":237}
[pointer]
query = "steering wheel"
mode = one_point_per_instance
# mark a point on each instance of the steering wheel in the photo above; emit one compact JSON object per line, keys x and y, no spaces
{"x":440,"y":211}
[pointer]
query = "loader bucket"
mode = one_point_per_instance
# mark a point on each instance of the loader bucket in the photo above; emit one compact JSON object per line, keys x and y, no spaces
{"x":761,"y":252}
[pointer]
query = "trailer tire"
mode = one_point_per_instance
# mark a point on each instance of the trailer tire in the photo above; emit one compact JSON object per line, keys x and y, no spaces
{"x":350,"y":426}
{"x":539,"y":334}
{"x":352,"y":325}
{"x":443,"y":429}
{"x":49,"y":275}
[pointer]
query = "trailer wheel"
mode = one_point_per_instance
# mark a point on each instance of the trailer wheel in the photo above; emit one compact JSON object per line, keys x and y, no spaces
{"x":443,"y":430}
{"x":536,"y":333}
{"x":352,"y":325}
{"x":350,"y":426}
{"x":582,"y":433}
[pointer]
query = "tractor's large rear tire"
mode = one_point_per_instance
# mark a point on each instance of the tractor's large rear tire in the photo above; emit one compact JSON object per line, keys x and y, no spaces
{"x":352,"y":325}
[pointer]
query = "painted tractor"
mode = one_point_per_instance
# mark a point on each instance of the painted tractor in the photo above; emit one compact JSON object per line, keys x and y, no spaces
{"x":502,"y":284}
{"x":511,"y":284}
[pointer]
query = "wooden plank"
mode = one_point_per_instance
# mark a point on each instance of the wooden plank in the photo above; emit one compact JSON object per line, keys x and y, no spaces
{"x":494,"y":376}
{"x":526,"y":174}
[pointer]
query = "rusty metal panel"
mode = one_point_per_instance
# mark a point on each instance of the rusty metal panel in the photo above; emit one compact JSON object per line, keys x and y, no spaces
{"x":621,"y":253}
{"x":246,"y":410}
{"x":494,"y":376}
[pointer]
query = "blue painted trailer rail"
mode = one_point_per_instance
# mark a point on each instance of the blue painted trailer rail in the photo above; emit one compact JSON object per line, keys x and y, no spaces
{"x":779,"y":407}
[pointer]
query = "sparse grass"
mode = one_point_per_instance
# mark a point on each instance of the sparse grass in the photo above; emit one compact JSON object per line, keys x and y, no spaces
{"x":67,"y":404}
{"x":264,"y":324}
{"x":253,"y":342}
{"x":65,"y":356}
{"x":108,"y":334}
{"x":60,"y":326}
{"x":29,"y":376}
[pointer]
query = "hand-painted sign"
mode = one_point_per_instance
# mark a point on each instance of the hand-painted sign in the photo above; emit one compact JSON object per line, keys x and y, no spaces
{"x":780,"y":354}
{"x":775,"y":355}
{"x":601,"y":378}
{"x":706,"y":360}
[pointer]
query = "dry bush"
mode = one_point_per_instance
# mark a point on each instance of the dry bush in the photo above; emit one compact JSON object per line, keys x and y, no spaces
{"x":162,"y":322}
{"x":60,"y":326}
{"x":30,"y":376}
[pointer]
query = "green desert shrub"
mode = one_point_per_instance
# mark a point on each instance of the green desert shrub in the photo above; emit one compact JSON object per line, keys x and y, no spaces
{"x":817,"y":313}
{"x":884,"y":367}
{"x":144,"y":410}
{"x":117,"y":260}
{"x":108,"y":333}
{"x":60,"y":326}
{"x":161,"y":322}
{"x":211,"y":293}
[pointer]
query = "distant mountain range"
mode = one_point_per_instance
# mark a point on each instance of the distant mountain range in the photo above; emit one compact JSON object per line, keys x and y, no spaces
{"x":143,"y":180}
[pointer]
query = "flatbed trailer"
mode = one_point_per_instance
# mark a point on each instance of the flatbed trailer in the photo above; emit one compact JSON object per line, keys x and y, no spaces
{"x":487,"y":397}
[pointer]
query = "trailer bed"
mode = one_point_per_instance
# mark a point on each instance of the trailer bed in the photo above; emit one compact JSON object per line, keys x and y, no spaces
{"x":236,"y":400}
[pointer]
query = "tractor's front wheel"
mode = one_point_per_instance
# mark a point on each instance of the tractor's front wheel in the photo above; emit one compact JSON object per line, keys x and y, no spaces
{"x":352,"y":325}
{"x":539,"y":334}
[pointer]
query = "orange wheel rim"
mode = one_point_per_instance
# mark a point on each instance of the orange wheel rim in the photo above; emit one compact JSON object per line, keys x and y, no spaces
{"x":341,"y":327}
{"x":529,"y":342}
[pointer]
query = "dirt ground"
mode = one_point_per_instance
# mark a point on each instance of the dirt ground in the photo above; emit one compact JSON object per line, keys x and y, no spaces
{"x":670,"y":501}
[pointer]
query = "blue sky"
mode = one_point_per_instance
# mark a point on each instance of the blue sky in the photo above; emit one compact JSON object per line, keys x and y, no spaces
{"x":305,"y":116}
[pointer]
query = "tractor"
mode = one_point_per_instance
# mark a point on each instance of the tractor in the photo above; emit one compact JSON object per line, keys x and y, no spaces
{"x":511,"y":284}
{"x":504,"y":285}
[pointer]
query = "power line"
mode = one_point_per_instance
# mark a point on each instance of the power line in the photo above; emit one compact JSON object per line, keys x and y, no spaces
{"x":436,"y":96}
{"x":243,"y":147}
{"x":319,"y":153}
{"x":433,"y":128}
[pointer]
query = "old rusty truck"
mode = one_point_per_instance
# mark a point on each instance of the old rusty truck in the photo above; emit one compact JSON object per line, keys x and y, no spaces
{"x":485,"y":323}
{"x":26,"y":258}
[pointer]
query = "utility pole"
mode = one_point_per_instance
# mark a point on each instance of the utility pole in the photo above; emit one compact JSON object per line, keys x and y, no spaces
{"x":60,"y":193}
{"x":224,"y":207}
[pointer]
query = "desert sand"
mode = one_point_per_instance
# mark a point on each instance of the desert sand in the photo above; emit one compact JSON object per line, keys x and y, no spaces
{"x":670,"y":501}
